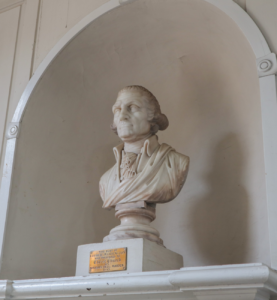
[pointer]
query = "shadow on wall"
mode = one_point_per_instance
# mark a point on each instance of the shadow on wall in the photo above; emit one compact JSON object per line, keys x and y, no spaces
{"x":102,"y":220}
{"x":91,"y":220}
{"x":220,"y":218}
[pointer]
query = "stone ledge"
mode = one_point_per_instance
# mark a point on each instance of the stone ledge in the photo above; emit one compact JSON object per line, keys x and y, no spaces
{"x":246,"y":281}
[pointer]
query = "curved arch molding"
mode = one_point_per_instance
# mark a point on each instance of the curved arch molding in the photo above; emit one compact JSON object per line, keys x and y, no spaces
{"x":266,"y":69}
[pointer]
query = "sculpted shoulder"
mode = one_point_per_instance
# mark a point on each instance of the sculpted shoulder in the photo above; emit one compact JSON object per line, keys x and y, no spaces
{"x":180,"y":159}
{"x":108,"y":174}
{"x":177,"y":171}
{"x":175,"y":159}
{"x":107,"y":182}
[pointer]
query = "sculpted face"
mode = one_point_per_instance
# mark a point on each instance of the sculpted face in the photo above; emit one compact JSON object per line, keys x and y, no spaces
{"x":131,"y":116}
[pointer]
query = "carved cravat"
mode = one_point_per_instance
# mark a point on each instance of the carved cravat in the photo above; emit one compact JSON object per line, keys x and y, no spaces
{"x":156,"y":175}
{"x":128,"y":165}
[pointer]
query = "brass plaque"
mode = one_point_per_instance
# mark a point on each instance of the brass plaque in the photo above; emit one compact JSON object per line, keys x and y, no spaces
{"x":108,"y":260}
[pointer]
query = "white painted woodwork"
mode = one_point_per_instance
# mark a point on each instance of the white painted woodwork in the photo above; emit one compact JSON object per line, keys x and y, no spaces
{"x":267,"y":65}
{"x":56,"y":18}
{"x":227,"y":282}
{"x":264,"y":14}
{"x":8,"y":35}
{"x":24,"y":52}
{"x":246,"y":25}
{"x":241,"y":3}
{"x":22,"y":60}
{"x":269,"y":112}
{"x":6,"y":187}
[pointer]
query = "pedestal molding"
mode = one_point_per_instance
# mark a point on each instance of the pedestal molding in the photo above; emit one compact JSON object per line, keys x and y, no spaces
{"x":135,"y":220}
{"x":246,"y":281}
{"x":206,"y":278}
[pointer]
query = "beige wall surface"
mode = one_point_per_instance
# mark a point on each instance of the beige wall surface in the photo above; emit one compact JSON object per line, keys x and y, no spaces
{"x":203,"y":71}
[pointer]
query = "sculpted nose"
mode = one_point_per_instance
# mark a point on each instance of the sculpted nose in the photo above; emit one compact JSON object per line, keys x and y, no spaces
{"x":123,"y":115}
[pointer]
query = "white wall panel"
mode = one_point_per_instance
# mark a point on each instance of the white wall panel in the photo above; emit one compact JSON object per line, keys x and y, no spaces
{"x":264,"y":13}
{"x":56,"y":18}
{"x":21,"y":58}
{"x":8,"y":36}
{"x":24,"y":52}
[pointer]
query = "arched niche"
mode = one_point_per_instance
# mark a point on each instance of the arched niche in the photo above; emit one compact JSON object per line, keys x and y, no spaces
{"x":202,"y":68}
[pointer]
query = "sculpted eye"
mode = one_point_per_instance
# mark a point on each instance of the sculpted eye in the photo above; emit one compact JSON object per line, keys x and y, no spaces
{"x":116,"y":110}
{"x":133,"y":107}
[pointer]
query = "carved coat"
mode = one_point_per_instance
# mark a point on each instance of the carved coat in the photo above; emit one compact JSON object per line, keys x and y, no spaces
{"x":161,"y":174}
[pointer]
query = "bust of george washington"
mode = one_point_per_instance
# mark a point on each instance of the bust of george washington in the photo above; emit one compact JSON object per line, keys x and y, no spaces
{"x":144,"y":170}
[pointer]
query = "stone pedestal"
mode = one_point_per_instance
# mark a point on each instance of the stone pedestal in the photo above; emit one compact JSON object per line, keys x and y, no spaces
{"x":135,"y":218}
{"x":142,"y":255}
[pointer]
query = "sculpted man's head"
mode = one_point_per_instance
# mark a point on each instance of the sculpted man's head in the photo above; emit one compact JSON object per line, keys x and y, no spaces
{"x":137,"y":114}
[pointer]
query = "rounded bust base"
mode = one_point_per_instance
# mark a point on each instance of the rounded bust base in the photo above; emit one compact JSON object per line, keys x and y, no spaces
{"x":135,"y":221}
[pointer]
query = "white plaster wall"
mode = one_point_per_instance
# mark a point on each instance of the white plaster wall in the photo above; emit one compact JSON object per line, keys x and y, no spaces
{"x":203,"y":71}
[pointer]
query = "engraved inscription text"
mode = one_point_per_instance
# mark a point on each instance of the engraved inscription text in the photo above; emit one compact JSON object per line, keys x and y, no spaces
{"x":108,"y":260}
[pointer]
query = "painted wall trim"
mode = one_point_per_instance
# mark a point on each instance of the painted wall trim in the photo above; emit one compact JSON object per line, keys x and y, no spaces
{"x":269,"y":124}
{"x":267,"y":65}
{"x":5,"y":189}
{"x":12,"y":130}
{"x":245,"y":281}
{"x":246,"y":25}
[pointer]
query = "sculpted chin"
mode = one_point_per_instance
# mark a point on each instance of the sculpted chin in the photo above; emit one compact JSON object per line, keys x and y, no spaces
{"x":144,"y":170}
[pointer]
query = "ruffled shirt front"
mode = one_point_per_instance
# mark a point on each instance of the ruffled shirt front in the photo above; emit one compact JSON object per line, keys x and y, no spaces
{"x":155,"y":175}
{"x":128,"y":166}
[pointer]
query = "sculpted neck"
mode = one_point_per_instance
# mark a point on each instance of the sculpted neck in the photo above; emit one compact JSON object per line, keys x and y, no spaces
{"x":136,"y":146}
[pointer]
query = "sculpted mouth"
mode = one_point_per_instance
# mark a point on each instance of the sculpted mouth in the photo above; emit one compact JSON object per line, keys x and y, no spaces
{"x":123,"y":125}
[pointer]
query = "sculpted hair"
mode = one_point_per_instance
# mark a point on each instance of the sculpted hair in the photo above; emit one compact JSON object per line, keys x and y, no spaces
{"x":157,"y":120}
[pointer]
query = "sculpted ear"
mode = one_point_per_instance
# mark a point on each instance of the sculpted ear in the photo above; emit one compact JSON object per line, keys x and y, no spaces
{"x":159,"y":122}
{"x":154,"y":127}
{"x":162,"y":122}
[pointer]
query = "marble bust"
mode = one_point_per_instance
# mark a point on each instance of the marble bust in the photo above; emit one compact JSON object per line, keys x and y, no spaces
{"x":144,"y":170}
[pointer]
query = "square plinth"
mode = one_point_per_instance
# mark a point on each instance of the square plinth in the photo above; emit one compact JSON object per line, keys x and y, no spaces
{"x":142,"y":256}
